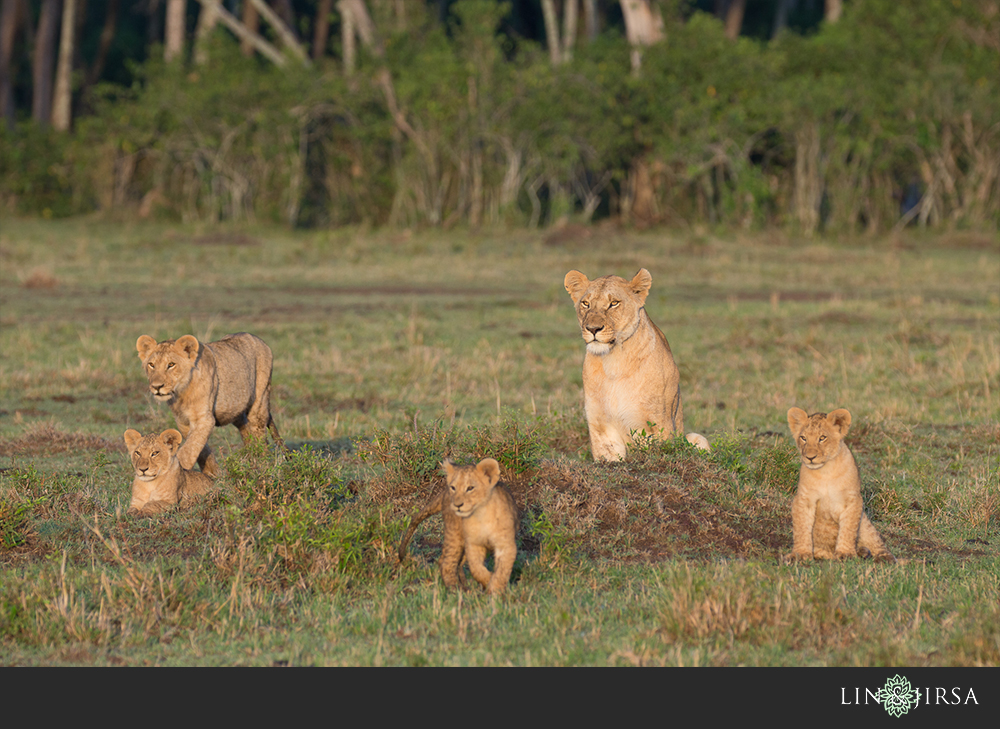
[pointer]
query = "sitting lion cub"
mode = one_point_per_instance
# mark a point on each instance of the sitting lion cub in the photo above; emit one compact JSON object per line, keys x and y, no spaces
{"x":479,"y":515}
{"x":208,"y":384}
{"x":160,"y":483}
{"x":828,"y":519}
{"x":630,"y":379}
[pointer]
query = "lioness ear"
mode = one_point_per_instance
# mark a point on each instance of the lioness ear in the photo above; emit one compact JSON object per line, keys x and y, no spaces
{"x":144,"y":345}
{"x":797,"y":417}
{"x":640,"y":283}
{"x":172,"y":439}
{"x":131,"y":438}
{"x":576,"y":283}
{"x":188,"y":345}
{"x":491,"y":469}
{"x":841,"y":420}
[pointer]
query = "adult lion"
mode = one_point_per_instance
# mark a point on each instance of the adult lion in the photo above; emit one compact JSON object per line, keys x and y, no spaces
{"x":227,"y":382}
{"x":630,"y":381}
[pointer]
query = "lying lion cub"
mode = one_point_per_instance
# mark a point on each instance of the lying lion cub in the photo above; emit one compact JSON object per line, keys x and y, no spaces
{"x":630,"y":379}
{"x":208,"y":384}
{"x":479,"y":515}
{"x":160,"y":483}
{"x":828,"y":519}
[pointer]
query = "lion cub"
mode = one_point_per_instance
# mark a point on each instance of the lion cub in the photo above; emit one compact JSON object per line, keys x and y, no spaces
{"x":828,"y":518}
{"x":160,"y":482}
{"x":208,"y":384}
{"x":479,"y":515}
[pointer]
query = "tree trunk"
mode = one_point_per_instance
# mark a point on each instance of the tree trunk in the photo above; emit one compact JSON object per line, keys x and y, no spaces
{"x":551,"y":30}
{"x":62,"y":103}
{"x":207,"y":19}
{"x":643,"y":27}
{"x":9,"y":21}
{"x":832,"y":10}
{"x":173,"y":46}
{"x":251,"y":21}
{"x":590,"y":19}
{"x":287,"y":36}
{"x":734,"y":18}
{"x":356,"y":20}
{"x":245,"y":36}
{"x":808,"y":176}
{"x":44,"y":61}
{"x":286,"y":12}
{"x":347,"y":39}
{"x":570,"y":16}
{"x":321,"y":29}
{"x":107,"y":35}
{"x":781,"y":16}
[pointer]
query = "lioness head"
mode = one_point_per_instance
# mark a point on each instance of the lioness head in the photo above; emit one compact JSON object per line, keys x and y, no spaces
{"x":470,"y":486}
{"x":608,"y":307}
{"x":819,"y":436}
{"x":168,"y":364}
{"x":151,"y":454}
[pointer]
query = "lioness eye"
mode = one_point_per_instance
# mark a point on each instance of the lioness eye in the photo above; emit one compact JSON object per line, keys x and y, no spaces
{"x":802,"y":438}
{"x":170,"y":365}
{"x":614,"y":304}
{"x":585,"y":304}
{"x":822,"y":438}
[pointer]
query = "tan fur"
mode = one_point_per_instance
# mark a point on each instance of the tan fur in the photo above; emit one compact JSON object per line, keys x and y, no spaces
{"x":208,"y":384}
{"x":828,"y":518}
{"x":479,"y":516}
{"x":160,"y":483}
{"x":629,"y":376}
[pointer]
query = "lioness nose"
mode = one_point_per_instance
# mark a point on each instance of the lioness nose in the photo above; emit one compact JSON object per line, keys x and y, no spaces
{"x":594,"y":330}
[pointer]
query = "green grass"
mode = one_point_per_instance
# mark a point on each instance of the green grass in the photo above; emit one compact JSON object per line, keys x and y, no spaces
{"x":394,"y":350}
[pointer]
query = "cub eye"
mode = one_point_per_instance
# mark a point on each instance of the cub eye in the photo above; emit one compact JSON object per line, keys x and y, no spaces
{"x":170,"y":365}
{"x":802,"y":438}
{"x":150,"y":365}
{"x":822,"y":438}
{"x":136,"y":453}
{"x":584,"y":304}
{"x":614,"y":304}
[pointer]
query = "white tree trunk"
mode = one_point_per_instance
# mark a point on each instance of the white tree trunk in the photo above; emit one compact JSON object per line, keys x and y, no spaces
{"x":62,"y":100}
{"x":643,"y":27}
{"x":173,"y":46}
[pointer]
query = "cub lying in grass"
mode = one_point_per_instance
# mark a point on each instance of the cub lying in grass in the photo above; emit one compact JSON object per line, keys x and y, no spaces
{"x":479,"y":514}
{"x":828,"y":518}
{"x":160,"y":483}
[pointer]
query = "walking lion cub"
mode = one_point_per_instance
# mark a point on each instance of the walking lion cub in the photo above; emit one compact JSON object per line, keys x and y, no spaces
{"x":828,"y":518}
{"x":208,"y":384}
{"x":479,"y":515}
{"x":160,"y":483}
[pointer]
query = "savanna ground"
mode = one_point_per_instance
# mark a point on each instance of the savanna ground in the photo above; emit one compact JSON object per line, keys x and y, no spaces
{"x":394,"y":350}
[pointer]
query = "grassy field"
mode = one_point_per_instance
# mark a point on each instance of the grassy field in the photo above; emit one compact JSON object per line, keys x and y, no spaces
{"x":396,"y":349}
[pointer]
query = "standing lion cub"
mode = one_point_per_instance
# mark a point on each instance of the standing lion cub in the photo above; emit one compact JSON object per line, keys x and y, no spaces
{"x":828,"y":518}
{"x":479,"y":514}
{"x":630,"y":379}
{"x":208,"y":384}
{"x":160,"y":483}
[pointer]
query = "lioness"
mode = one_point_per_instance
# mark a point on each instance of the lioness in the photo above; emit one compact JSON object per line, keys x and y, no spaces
{"x":479,"y":515}
{"x":828,"y":518}
{"x":208,"y":384}
{"x":160,"y":483}
{"x":630,"y":381}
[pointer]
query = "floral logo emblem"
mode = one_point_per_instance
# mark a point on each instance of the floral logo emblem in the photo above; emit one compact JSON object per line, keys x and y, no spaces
{"x":897,"y":696}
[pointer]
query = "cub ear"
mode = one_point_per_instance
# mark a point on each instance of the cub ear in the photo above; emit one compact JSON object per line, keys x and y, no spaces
{"x":797,"y":418}
{"x":171,"y":439}
{"x":576,"y":283}
{"x":841,"y":420}
{"x":144,"y":345}
{"x":489,"y":468}
{"x":131,"y":438}
{"x":188,"y":346}
{"x":449,"y":468}
{"x":640,"y":284}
